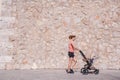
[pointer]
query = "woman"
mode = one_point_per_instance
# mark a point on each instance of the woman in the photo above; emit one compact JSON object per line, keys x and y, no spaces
{"x":72,"y":48}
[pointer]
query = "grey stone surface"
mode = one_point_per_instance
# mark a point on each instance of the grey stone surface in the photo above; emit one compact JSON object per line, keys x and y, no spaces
{"x":49,"y":74}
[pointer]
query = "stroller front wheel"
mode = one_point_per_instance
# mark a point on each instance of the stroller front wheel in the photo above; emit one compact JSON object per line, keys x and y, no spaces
{"x":96,"y":71}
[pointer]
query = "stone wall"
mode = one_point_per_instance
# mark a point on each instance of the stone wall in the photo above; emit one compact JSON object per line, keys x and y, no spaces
{"x":34,"y":33}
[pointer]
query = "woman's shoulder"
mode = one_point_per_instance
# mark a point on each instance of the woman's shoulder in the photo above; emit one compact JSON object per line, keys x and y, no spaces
{"x":70,"y":42}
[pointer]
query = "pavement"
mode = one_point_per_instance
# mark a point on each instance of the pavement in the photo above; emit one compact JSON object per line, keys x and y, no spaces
{"x":55,"y":74}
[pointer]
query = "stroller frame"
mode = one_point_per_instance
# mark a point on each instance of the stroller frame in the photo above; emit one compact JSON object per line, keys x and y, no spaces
{"x":88,"y":68}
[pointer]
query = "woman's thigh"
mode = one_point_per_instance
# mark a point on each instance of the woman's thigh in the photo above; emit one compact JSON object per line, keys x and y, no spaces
{"x":74,"y":59}
{"x":70,"y":59}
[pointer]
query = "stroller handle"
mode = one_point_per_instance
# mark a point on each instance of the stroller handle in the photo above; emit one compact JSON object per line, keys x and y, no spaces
{"x":82,"y":54}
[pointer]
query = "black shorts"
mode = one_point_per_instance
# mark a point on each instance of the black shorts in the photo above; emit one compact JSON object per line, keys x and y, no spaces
{"x":71,"y":54}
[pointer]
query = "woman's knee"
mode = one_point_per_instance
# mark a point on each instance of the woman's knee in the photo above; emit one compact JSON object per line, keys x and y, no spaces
{"x":75,"y":60}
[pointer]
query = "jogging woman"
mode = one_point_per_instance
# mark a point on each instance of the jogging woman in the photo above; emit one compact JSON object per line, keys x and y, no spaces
{"x":72,"y":61}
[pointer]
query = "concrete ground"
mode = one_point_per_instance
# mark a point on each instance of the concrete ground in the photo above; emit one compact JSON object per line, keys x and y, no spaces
{"x":49,"y":74}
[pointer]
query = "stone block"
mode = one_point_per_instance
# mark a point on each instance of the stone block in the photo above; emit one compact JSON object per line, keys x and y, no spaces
{"x":4,"y":59}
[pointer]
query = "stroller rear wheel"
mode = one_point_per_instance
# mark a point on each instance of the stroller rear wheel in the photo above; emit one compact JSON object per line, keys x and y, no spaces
{"x":84,"y":71}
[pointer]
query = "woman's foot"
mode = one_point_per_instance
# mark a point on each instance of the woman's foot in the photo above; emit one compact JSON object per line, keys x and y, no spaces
{"x":72,"y":70}
{"x":69,"y":71}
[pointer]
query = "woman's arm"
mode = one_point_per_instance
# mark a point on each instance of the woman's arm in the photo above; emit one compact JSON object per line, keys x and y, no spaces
{"x":75,"y":47}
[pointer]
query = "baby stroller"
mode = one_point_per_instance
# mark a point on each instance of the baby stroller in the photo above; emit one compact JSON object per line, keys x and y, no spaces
{"x":88,"y":67}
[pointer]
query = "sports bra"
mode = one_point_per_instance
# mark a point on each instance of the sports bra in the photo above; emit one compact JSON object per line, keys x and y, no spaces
{"x":71,"y":47}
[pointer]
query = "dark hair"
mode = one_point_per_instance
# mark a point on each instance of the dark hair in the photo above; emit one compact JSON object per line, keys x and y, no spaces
{"x":72,"y":36}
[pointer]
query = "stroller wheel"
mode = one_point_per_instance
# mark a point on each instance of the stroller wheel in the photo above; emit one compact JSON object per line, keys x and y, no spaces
{"x":82,"y":70}
{"x":96,"y":71}
{"x":85,"y":71}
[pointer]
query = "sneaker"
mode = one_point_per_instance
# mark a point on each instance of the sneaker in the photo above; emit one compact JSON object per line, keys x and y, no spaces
{"x":71,"y":71}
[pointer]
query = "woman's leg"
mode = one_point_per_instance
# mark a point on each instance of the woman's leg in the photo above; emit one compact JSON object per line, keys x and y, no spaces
{"x":69,"y":64}
{"x":75,"y":61}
